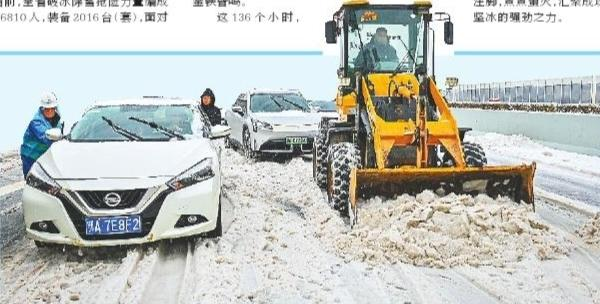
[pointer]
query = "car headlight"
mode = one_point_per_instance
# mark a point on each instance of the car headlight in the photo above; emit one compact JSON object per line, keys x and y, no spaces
{"x":257,"y":124}
{"x":39,"y":179}
{"x":198,"y":173}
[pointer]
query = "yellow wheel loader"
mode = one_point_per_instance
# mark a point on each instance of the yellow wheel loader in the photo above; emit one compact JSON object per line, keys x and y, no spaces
{"x":395,"y":132}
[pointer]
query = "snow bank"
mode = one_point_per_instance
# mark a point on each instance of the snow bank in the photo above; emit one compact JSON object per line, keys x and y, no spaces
{"x":590,"y":232}
{"x":441,"y":232}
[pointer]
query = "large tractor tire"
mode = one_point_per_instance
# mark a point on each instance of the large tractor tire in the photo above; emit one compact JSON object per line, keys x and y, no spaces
{"x":320,"y":158}
{"x":343,"y":157}
{"x":474,"y":155}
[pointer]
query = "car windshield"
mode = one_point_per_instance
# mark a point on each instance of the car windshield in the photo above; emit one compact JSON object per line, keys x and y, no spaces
{"x":133,"y":122}
{"x":272,"y":103}
{"x":392,"y":40}
{"x":324,"y":106}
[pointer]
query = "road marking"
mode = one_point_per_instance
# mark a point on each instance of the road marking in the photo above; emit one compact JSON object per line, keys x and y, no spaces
{"x":10,"y":189}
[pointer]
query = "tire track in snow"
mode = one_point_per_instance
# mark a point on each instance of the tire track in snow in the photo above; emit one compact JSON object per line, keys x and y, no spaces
{"x":6,"y":190}
{"x":449,"y":285}
{"x":115,"y":286}
{"x":168,"y":274}
{"x":480,"y":287}
{"x":584,"y":257}
{"x":188,"y":285}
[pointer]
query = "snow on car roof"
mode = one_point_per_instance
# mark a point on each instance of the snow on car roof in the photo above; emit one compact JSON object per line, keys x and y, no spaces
{"x":146,"y":101}
{"x":275,"y":91}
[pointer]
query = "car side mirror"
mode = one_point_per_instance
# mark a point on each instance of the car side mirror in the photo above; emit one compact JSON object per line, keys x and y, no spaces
{"x":219,"y":131}
{"x":237,"y":109}
{"x":449,"y":32}
{"x":54,"y":134}
{"x":331,"y":32}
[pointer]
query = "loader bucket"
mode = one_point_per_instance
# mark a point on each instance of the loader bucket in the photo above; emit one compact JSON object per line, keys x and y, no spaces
{"x":514,"y":182}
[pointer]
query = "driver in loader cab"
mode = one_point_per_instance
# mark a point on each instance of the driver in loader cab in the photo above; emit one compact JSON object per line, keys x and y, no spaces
{"x":377,"y":50}
{"x":35,"y":142}
{"x":207,"y":104}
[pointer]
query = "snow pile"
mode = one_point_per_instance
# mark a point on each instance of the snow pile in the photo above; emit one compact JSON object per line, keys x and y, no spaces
{"x":448,"y":231}
{"x":590,"y":232}
{"x":31,"y":275}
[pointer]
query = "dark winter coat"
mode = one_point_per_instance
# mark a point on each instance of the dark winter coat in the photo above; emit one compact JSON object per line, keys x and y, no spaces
{"x":385,"y":52}
{"x":213,"y":113}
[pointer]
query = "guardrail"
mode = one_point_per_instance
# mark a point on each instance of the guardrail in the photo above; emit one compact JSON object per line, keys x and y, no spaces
{"x":563,"y":91}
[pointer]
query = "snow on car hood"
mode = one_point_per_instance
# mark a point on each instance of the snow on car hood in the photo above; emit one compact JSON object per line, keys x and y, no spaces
{"x":70,"y":160}
{"x":288,"y":118}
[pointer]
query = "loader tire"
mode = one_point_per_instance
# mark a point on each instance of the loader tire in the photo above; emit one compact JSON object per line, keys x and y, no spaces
{"x":474,"y":155}
{"x":343,"y":157}
{"x":320,"y":159}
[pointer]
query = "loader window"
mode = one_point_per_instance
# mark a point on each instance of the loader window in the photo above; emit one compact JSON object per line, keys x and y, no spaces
{"x":391,"y":39}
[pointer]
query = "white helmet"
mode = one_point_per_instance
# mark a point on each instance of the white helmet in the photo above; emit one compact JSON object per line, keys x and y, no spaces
{"x":49,"y":100}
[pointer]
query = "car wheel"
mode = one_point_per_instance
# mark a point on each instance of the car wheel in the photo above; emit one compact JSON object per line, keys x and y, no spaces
{"x":247,"y":146}
{"x":218,"y":231}
{"x":39,"y":244}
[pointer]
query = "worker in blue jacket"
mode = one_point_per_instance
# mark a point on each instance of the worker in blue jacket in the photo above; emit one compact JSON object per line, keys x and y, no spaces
{"x":35,"y":142}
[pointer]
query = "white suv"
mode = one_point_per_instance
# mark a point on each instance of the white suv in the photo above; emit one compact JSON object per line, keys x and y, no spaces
{"x":130,"y":172}
{"x":272,"y":121}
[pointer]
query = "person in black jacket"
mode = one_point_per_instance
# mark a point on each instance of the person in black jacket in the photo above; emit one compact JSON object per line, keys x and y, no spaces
{"x":380,"y":45}
{"x":207,"y":104}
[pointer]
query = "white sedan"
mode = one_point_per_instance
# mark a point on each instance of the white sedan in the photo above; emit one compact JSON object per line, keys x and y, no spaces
{"x":272,"y":122}
{"x":130,"y":172}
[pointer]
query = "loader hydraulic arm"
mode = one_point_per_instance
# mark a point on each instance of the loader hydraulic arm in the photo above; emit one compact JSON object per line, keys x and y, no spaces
{"x":420,"y":131}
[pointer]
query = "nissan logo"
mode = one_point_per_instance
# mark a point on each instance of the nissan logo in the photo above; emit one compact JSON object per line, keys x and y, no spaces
{"x":112,"y":199}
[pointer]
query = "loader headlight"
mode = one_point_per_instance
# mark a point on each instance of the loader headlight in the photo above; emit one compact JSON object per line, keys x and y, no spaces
{"x":261,"y":125}
{"x":39,"y":179}
{"x":198,"y":173}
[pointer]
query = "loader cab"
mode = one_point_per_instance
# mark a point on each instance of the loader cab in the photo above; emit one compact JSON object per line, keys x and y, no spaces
{"x":378,"y":39}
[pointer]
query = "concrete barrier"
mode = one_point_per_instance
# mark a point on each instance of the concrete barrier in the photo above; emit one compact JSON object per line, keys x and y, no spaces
{"x":578,"y":133}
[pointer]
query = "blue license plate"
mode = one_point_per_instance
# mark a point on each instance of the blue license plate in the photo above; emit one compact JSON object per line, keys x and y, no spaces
{"x":113,"y":225}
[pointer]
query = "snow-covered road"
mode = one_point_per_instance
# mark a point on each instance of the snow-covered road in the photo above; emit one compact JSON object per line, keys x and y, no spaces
{"x":568,"y":174}
{"x":285,"y":245}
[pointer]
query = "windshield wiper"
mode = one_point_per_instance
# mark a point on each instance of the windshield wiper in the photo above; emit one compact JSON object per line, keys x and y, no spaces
{"x":166,"y":131}
{"x":408,"y":55}
{"x":121,"y":131}
{"x":276,"y":102}
{"x":354,"y":24}
{"x":292,"y":103}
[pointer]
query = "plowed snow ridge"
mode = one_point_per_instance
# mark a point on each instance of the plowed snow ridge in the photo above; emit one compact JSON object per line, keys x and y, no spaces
{"x":590,"y":232}
{"x":449,"y":231}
